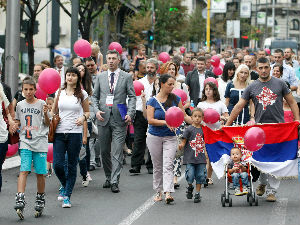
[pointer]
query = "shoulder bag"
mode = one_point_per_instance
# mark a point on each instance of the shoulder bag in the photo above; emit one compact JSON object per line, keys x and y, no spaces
{"x":54,"y":121}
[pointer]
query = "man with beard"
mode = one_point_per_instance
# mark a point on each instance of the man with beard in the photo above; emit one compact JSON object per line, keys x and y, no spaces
{"x":288,"y":58}
{"x":260,"y":91}
{"x":140,"y":123}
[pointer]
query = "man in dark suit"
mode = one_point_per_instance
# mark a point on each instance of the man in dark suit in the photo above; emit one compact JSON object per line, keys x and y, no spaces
{"x":111,"y":88}
{"x":195,"y":80}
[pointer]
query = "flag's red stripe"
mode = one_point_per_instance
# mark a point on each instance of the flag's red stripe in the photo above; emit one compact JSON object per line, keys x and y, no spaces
{"x":275,"y":133}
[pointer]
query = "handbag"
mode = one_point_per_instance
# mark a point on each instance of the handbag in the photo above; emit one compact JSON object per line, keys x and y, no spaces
{"x":12,"y":138}
{"x":54,"y":121}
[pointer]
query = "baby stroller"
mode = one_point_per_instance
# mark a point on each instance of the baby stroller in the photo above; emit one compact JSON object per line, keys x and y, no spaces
{"x":226,"y":198}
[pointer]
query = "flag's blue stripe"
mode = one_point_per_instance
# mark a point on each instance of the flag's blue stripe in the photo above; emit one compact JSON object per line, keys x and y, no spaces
{"x":279,"y":152}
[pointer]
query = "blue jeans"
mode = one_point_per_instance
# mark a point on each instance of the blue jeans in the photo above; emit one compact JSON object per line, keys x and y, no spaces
{"x":236,"y":179}
{"x":195,"y":172}
{"x":69,"y":143}
{"x":3,"y":151}
{"x":84,"y":164}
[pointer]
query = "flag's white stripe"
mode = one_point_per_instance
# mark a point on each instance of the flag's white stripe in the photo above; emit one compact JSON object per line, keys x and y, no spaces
{"x":288,"y":168}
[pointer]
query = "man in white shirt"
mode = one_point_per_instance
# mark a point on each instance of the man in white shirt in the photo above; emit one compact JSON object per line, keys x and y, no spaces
{"x":59,"y":67}
{"x":288,"y":72}
{"x":288,"y":58}
{"x":140,"y":122}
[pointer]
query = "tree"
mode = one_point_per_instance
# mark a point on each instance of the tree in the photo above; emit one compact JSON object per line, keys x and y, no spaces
{"x":134,"y":27}
{"x":196,"y":26}
{"x":88,"y":11}
{"x":171,"y":18}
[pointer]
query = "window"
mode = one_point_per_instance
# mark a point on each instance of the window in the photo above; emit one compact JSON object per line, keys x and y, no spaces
{"x":295,"y":24}
{"x":294,"y":1}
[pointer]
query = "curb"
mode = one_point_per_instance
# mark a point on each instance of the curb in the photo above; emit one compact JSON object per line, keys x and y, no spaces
{"x":11,"y":163}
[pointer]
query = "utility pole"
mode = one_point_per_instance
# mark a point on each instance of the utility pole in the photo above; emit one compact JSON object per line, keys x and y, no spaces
{"x":273,"y":18}
{"x":106,"y":31}
{"x":266,"y":22}
{"x":153,"y":21}
{"x":74,"y":24}
{"x":287,"y":21}
{"x":12,"y":44}
{"x":208,"y":26}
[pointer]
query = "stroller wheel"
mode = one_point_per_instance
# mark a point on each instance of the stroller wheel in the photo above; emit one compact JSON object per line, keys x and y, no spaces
{"x":248,"y":195}
{"x":223,"y":200}
{"x":256,"y":200}
{"x":250,"y":200}
{"x":230,"y":201}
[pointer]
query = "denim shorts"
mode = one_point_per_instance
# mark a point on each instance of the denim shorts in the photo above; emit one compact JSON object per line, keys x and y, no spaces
{"x":195,"y":172}
{"x":39,"y":160}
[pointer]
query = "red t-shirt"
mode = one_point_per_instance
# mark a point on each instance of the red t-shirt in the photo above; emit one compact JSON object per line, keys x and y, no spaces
{"x":187,"y":68}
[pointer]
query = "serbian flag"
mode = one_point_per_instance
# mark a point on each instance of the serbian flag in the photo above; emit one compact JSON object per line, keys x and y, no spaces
{"x":277,"y":157}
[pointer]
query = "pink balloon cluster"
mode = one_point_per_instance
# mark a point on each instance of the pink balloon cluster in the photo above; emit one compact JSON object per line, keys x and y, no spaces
{"x":182,"y":50}
{"x":174,"y":117}
{"x":12,"y":150}
{"x":212,"y":80}
{"x":164,"y":57}
{"x":115,"y":46}
{"x":211,"y":116}
{"x":180,"y":93}
{"x":83,"y":48}
{"x":50,"y":153}
{"x":254,"y":139}
{"x":49,"y":82}
{"x":138,"y":87}
{"x":217,"y":68}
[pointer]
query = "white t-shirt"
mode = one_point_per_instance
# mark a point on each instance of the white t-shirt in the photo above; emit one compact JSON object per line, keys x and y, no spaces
{"x":70,"y":109}
{"x":148,"y":88}
{"x":219,"y":106}
{"x":201,"y":83}
{"x":222,"y":88}
{"x":3,"y":126}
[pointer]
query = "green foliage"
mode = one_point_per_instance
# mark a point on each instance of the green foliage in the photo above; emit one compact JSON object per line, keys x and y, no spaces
{"x":170,"y":25}
{"x":196,"y":26}
{"x":134,"y":25}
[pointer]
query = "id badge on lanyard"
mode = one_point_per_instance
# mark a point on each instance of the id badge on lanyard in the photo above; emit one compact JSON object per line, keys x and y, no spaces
{"x":109,"y":100}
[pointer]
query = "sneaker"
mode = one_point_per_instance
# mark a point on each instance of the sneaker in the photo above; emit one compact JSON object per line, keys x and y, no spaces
{"x":210,"y":181}
{"x":189,"y":192}
{"x":61,"y":194}
{"x":237,"y":191}
{"x":260,"y":190}
{"x":197,"y":198}
{"x":88,"y":177}
{"x":271,"y":197}
{"x":85,"y":181}
{"x":66,"y":203}
{"x":245,"y":190}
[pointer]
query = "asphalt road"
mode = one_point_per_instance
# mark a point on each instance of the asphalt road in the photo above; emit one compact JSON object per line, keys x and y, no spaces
{"x":134,"y":205}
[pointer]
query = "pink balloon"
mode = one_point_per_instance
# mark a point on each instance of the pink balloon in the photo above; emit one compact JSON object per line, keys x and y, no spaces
{"x":49,"y":80}
{"x":182,"y":49}
{"x":250,"y":123}
{"x":210,"y":79}
{"x":211,"y":116}
{"x":83,"y":48}
{"x":12,"y":150}
{"x":221,"y":65}
{"x":174,"y":117}
{"x":180,"y":93}
{"x":268,"y":51}
{"x":50,"y":153}
{"x":115,"y":46}
{"x":215,"y":60}
{"x":164,"y":57}
{"x":217,"y":71}
{"x":254,"y":139}
{"x":138,"y":87}
{"x":40,"y":94}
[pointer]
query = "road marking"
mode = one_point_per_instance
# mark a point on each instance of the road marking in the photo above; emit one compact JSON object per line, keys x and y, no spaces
{"x":278,"y":213}
{"x":142,"y":209}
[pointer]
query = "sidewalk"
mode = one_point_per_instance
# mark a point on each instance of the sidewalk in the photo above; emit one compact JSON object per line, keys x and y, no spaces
{"x":11,"y":163}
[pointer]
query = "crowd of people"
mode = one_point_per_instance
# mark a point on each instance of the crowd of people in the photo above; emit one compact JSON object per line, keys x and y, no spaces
{"x":92,"y":131}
